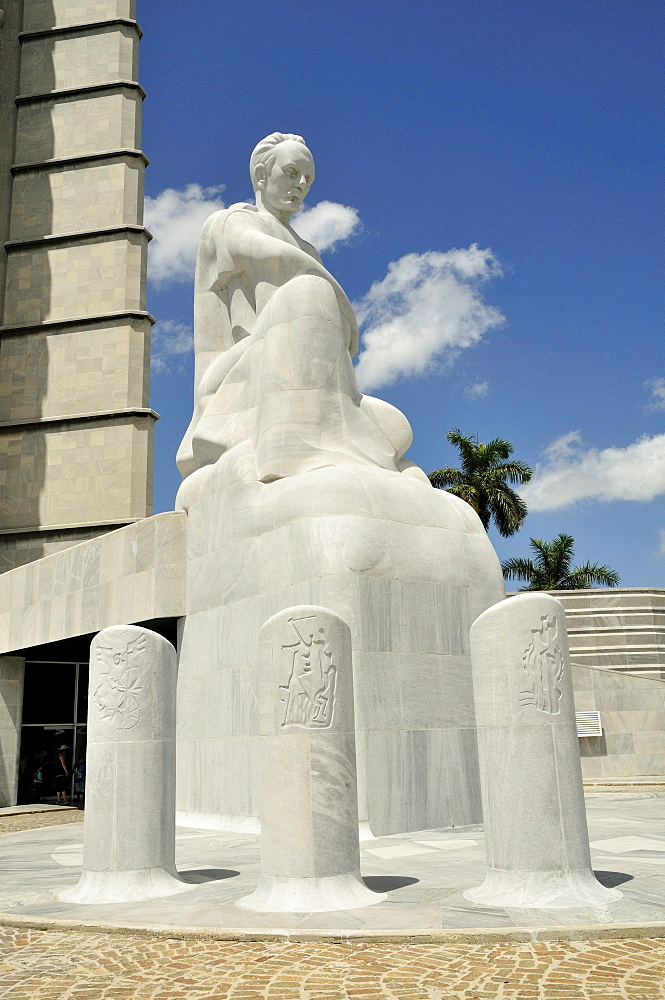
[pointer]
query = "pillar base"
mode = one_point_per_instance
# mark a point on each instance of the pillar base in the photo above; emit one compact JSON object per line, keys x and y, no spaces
{"x":310,"y":895}
{"x":125,"y":886}
{"x":542,"y":890}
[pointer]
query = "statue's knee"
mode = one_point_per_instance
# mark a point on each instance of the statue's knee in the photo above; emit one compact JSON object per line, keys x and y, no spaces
{"x":304,"y":295}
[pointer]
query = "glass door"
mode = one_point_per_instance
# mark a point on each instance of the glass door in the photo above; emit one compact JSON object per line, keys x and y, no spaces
{"x":53,"y":733}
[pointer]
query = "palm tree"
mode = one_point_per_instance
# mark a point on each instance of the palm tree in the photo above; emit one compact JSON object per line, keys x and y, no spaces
{"x":552,"y":570}
{"x":483,"y":481}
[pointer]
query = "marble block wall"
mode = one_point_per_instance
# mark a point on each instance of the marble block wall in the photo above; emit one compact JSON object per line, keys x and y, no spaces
{"x":133,"y":574}
{"x":107,"y":358}
{"x":11,"y":704}
{"x":408,"y":567}
{"x":75,"y":335}
{"x":632,"y":714}
{"x":40,"y":14}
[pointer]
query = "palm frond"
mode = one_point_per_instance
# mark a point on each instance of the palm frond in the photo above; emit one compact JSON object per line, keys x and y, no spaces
{"x":507,"y":509}
{"x":518,"y":569}
{"x":443,"y":478}
{"x":467,"y":493}
{"x":588,"y":574}
{"x":482,"y":480}
{"x":551,"y":568}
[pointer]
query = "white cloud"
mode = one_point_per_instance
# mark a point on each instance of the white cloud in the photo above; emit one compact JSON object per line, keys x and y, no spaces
{"x":572,"y":473}
{"x":169,"y":340}
{"x":477,"y":390}
{"x":656,"y":386}
{"x":426,"y":310}
{"x":564,"y":446}
{"x":326,"y":224}
{"x":175,"y":219}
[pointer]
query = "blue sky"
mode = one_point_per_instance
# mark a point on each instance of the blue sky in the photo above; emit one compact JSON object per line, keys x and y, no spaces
{"x":530,"y":129}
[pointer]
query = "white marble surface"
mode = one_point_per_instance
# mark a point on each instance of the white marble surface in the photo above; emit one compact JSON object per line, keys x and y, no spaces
{"x":533,"y":800}
{"x":12,"y":670}
{"x":424,"y":875}
{"x":129,"y":829}
{"x":310,"y":853}
{"x":274,"y":333}
{"x":408,"y":567}
{"x":297,"y":491}
{"x":134,"y":574}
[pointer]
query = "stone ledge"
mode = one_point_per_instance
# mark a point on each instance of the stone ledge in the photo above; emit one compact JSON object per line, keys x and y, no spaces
{"x":81,"y":158}
{"x":86,"y":321}
{"x":81,"y":28}
{"x":619,"y":609}
{"x":642,"y":648}
{"x":602,"y":592}
{"x":120,"y":522}
{"x":82,"y":237}
{"x":55,"y":95}
{"x":457,"y":935}
{"x":610,"y":630}
{"x":130,"y":411}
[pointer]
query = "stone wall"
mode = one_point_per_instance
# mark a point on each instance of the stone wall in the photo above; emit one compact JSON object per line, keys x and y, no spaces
{"x":632,"y":715}
{"x":11,"y":704}
{"x":133,"y":574}
{"x":76,"y":431}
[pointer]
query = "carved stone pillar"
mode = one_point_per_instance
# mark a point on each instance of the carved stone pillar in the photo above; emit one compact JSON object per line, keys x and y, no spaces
{"x":129,"y":827}
{"x":310,"y":855}
{"x":533,"y":800}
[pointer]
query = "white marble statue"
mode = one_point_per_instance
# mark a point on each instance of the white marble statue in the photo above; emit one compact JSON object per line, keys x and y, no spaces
{"x":297,"y":492}
{"x":275,"y":390}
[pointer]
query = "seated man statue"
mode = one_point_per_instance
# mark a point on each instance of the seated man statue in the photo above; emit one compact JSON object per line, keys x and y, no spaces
{"x":275,"y":390}
{"x":297,"y":492}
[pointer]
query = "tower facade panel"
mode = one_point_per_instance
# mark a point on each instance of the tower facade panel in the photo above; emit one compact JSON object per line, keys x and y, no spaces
{"x":76,"y":432}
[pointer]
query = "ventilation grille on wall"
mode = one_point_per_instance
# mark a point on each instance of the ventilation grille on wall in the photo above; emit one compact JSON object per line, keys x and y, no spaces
{"x":588,"y":724}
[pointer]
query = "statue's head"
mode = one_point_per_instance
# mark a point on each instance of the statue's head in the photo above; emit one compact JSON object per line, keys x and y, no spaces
{"x":282,"y":171}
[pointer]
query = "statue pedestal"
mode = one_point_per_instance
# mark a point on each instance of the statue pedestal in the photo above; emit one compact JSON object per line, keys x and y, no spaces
{"x":408,"y":567}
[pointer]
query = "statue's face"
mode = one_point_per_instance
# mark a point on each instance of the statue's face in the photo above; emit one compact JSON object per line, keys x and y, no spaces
{"x":285,"y":186}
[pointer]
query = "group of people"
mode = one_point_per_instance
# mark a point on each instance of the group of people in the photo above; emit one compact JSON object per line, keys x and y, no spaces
{"x":59,"y":774}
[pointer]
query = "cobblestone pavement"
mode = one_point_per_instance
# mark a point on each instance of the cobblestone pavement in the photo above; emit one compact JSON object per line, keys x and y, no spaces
{"x":52,"y":965}
{"x":32,"y":821}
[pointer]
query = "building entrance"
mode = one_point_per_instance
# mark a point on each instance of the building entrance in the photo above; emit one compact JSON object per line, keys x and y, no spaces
{"x":53,"y":733}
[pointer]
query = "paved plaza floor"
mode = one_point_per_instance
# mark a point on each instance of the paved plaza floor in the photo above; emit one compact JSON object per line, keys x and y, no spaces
{"x":618,"y":957}
{"x":423,"y":874}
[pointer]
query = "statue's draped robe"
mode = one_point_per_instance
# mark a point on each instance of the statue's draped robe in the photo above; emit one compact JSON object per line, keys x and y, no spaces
{"x":275,"y":390}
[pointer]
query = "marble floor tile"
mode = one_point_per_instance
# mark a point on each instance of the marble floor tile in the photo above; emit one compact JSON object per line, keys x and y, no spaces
{"x":623,"y":845}
{"x":424,"y":876}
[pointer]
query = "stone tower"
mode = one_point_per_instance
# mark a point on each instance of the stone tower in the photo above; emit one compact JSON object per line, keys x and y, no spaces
{"x":76,"y":433}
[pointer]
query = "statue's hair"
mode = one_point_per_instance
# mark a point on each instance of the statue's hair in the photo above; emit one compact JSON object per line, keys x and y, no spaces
{"x":264,"y":151}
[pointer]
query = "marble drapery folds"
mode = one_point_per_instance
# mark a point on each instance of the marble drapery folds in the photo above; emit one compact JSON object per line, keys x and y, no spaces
{"x":275,"y":390}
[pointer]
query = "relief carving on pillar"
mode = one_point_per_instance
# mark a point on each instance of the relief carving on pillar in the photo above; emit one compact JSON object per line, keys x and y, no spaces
{"x":543,"y":663}
{"x":117,"y":696}
{"x":309,"y":696}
